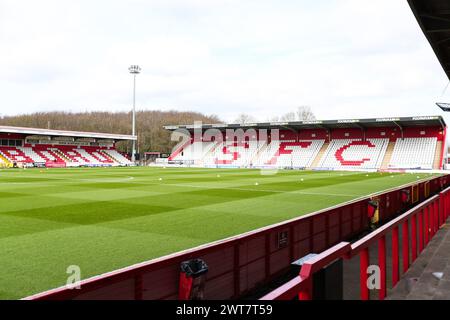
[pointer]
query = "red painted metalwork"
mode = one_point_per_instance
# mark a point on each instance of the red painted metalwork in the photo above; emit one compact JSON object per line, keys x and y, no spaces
{"x":306,"y":293}
{"x":447,"y":206}
{"x":395,"y":257}
{"x":413,"y":238}
{"x":436,"y":218}
{"x":433,"y":221}
{"x":420,"y":216}
{"x":426,"y":219}
{"x":240,"y":263}
{"x":441,"y":209}
{"x":302,"y":284}
{"x":417,"y":216}
{"x":405,"y":245}
{"x":382,"y":265}
{"x":363,"y":266}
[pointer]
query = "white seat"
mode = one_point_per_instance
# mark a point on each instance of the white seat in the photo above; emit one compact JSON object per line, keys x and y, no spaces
{"x":413,"y":153}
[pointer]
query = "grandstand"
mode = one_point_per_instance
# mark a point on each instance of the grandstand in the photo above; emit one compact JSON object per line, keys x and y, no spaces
{"x":367,"y":144}
{"x":57,"y":148}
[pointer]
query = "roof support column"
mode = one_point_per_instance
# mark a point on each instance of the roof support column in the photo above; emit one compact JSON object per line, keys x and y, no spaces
{"x":401,"y":129}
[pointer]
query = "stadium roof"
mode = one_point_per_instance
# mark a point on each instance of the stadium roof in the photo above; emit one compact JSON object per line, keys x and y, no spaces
{"x":327,"y":124}
{"x":64,"y":133}
{"x":433,"y":17}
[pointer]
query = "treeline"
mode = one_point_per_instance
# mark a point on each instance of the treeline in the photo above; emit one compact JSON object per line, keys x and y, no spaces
{"x":149,"y":124}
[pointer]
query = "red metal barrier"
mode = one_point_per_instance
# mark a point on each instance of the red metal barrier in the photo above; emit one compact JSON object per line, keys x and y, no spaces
{"x":302,"y":285}
{"x":428,"y":211}
{"x":409,"y":245}
{"x":382,"y":265}
{"x":239,"y":264}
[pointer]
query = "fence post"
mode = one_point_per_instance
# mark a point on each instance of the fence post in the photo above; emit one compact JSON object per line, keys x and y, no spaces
{"x":446,"y":197}
{"x":420,"y":217}
{"x":363,"y":265}
{"x":447,"y":207}
{"x":405,"y":245}
{"x":426,"y":219}
{"x":307,"y":292}
{"x":413,"y":238}
{"x":436,"y":217}
{"x":430,"y":222}
{"x":395,"y":257}
{"x":444,"y":208}
{"x":382,"y":265}
{"x":431,"y":226}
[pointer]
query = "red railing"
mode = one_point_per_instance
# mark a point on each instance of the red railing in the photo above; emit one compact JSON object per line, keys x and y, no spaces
{"x":424,"y":221}
{"x":302,"y":285}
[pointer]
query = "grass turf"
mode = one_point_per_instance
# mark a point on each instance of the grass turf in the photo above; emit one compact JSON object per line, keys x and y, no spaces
{"x":102,"y":219}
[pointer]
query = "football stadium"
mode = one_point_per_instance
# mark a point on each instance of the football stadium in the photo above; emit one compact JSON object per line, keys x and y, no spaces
{"x":339,"y":209}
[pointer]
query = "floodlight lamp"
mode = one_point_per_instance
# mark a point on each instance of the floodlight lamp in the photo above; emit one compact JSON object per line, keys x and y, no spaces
{"x":134,"y":69}
{"x":444,"y":106}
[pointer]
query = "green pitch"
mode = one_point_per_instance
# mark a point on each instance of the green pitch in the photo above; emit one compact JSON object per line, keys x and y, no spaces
{"x":106,"y":218}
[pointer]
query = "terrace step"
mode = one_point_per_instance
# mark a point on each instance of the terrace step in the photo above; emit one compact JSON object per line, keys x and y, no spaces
{"x":437,"y":156}
{"x":108,"y":156}
{"x":260,"y":151}
{"x":319,"y":156}
{"x":388,"y":155}
{"x":61,"y":154}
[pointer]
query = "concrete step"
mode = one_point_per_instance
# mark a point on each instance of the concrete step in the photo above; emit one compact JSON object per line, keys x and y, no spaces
{"x":319,"y":156}
{"x":388,"y":155}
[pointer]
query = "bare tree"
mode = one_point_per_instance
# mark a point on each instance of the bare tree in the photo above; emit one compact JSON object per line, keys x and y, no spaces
{"x":245,"y":118}
{"x":290,"y":116}
{"x":274,"y":119}
{"x":304,"y":113}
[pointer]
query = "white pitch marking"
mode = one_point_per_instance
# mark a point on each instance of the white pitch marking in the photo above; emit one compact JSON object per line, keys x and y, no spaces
{"x":266,"y":190}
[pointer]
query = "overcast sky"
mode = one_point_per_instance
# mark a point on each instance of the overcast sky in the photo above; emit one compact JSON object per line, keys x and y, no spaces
{"x":343,"y":58}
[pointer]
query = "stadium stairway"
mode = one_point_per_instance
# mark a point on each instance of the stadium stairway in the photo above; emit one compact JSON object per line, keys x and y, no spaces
{"x":108,"y":156}
{"x":437,"y":155}
{"x":61,"y":155}
{"x":117,"y":156}
{"x":320,"y":155}
{"x":209,"y":156}
{"x":388,"y":155}
{"x":260,"y":152}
